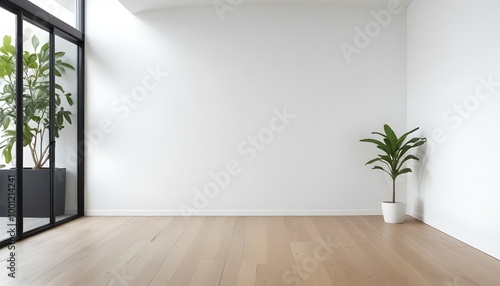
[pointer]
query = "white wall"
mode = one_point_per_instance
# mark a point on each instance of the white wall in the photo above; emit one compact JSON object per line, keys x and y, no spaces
{"x":452,"y":46}
{"x":147,"y":154}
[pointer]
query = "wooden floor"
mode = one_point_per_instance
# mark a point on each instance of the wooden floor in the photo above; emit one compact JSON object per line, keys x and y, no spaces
{"x":29,"y":224}
{"x":247,"y":251}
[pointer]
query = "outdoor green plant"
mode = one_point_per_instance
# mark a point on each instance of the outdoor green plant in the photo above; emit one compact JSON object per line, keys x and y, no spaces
{"x":36,"y":99}
{"x":394,"y":153}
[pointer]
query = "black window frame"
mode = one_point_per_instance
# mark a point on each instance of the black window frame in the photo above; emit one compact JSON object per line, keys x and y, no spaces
{"x":27,"y":11}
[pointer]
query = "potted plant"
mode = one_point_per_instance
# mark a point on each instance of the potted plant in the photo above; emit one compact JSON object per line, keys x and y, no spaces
{"x":36,"y":122}
{"x":392,"y":162}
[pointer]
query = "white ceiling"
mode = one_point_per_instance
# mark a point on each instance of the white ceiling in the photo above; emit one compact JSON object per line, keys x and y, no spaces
{"x":136,"y":6}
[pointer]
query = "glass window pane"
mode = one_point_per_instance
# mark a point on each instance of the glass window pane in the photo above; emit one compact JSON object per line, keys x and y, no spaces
{"x":67,"y":136}
{"x":36,"y":163}
{"x":66,"y":10}
{"x":7,"y":118}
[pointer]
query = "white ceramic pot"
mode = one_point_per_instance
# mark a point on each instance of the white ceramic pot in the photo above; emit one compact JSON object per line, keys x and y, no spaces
{"x":394,"y":212}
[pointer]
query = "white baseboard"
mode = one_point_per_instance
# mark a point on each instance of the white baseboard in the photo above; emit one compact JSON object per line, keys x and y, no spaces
{"x":417,"y":216}
{"x":457,"y":234}
{"x":233,"y":212}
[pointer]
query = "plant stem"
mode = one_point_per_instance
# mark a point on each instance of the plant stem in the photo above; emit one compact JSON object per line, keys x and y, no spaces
{"x":33,"y":154}
{"x":45,"y":157}
{"x":394,"y":190}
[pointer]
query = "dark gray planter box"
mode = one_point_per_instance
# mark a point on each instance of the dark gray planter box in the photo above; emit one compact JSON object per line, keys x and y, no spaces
{"x":36,"y":191}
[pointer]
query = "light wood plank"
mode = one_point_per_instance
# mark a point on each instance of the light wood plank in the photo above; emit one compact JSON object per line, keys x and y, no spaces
{"x":261,"y":275}
{"x":201,"y":272}
{"x":234,"y":256}
{"x":188,"y":264}
{"x":247,"y":274}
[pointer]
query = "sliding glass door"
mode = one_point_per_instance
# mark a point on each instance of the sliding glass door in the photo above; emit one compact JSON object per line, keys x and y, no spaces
{"x":41,"y":117}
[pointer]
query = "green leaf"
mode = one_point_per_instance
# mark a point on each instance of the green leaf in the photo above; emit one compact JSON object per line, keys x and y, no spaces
{"x":386,"y":159}
{"x":390,"y":134}
{"x":59,"y":118}
{"x":420,"y":142}
{"x":66,"y":65}
{"x":409,"y":157}
{"x":59,"y":87}
{"x":43,"y":69}
{"x":7,"y":153}
{"x":390,"y":145}
{"x":374,"y":141}
{"x":36,"y":118}
{"x":32,"y":58}
{"x":6,"y":123}
{"x":27,"y":136}
{"x":403,"y":137}
{"x":378,"y":133}
{"x":413,"y":143}
{"x":45,"y":47}
{"x":69,"y":99}
{"x":43,"y":55}
{"x":35,"y":42}
{"x":372,"y":161}
{"x":385,"y":149}
{"x":11,"y":50}
{"x":7,"y":40}
{"x":404,"y":171}
{"x":67,"y":116}
{"x":60,"y":69}
{"x":382,"y":169}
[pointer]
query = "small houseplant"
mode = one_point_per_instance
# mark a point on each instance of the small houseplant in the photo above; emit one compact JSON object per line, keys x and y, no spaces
{"x":36,"y":121}
{"x":392,"y":161}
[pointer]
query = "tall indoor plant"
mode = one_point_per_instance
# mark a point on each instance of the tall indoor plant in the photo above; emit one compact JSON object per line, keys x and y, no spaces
{"x":392,"y":161}
{"x":36,"y":119}
{"x":36,"y":67}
